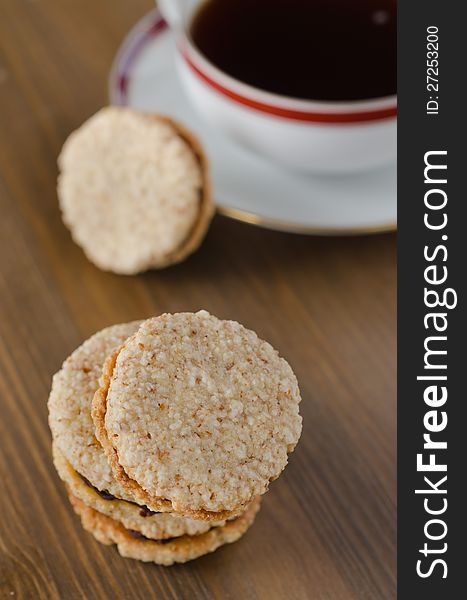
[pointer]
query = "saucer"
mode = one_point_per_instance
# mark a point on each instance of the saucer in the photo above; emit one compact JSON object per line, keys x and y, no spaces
{"x":246,"y":186}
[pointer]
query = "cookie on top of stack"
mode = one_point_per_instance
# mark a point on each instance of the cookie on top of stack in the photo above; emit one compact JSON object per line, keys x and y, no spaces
{"x":167,"y":432}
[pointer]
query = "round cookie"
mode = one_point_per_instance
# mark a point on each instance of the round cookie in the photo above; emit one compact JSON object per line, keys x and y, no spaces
{"x":134,"y":190}
{"x":131,"y":516}
{"x":165,"y":552}
{"x":69,"y":404}
{"x":197,"y":411}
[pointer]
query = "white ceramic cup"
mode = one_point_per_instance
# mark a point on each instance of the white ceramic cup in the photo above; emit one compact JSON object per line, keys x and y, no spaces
{"x":323,"y":137}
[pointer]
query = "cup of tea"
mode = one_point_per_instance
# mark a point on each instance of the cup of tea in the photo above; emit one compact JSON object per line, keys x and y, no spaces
{"x":309,"y":84}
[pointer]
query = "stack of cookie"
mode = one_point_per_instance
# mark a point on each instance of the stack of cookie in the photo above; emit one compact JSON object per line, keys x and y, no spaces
{"x":166,"y":433}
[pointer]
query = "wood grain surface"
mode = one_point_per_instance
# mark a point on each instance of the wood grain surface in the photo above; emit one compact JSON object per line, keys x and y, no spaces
{"x":327,"y":527}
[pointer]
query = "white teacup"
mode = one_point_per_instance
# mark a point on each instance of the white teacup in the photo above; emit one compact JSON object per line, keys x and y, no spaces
{"x":325,"y":137}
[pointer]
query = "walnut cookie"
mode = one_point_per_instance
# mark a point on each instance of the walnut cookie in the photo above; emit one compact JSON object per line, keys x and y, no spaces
{"x":134,"y":190}
{"x":69,"y":404}
{"x":198,"y":412}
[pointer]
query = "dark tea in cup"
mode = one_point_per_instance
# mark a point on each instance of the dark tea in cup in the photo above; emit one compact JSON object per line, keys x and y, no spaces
{"x":335,"y":50}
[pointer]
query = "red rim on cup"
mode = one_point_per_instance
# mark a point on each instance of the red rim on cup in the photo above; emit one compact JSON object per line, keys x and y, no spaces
{"x":286,"y":108}
{"x":270,"y":104}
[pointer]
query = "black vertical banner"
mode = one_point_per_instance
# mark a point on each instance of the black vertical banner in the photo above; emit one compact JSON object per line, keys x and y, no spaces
{"x":432,"y":324}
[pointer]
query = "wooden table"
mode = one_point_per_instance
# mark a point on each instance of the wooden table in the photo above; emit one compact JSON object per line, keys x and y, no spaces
{"x":327,"y":527}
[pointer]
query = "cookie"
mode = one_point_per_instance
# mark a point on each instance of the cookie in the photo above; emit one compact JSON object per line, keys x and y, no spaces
{"x":129,"y":514}
{"x":134,"y":190}
{"x":69,"y":404}
{"x":163,"y":552}
{"x":197,"y":411}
